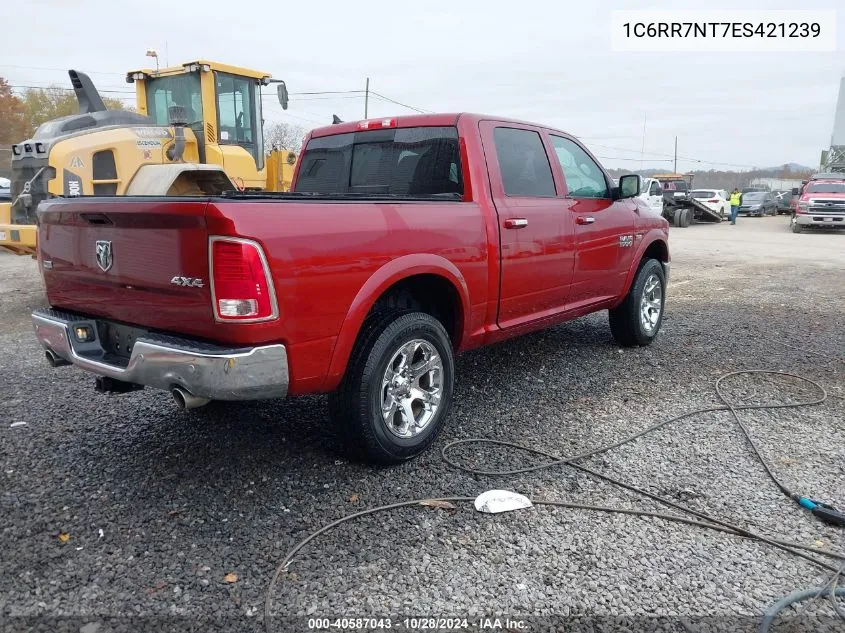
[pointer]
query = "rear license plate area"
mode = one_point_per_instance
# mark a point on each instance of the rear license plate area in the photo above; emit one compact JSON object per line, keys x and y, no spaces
{"x":118,"y":340}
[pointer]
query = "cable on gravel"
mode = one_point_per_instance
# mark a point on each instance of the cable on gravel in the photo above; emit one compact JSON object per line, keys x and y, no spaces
{"x":829,"y":514}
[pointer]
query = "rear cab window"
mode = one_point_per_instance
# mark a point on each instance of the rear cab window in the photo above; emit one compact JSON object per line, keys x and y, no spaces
{"x":417,"y":161}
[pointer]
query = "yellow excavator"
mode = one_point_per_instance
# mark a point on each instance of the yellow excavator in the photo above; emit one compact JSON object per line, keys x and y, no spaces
{"x":197,"y":130}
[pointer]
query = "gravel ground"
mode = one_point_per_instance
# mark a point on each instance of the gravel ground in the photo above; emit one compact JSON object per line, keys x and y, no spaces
{"x":123,"y":506}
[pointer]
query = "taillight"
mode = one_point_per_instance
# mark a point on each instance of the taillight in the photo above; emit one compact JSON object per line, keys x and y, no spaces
{"x":713,"y":200}
{"x":375,"y":124}
{"x":241,"y":286}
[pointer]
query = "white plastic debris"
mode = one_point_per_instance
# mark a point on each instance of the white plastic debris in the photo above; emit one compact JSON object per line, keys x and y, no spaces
{"x":101,"y":533}
{"x":495,"y":501}
{"x":16,"y":424}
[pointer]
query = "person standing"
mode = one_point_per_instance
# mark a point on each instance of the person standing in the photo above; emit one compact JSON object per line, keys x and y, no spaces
{"x":736,"y":200}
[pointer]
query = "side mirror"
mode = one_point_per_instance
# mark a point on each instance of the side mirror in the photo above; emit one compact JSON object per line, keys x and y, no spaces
{"x":629,"y":186}
{"x":282,"y":93}
{"x":796,"y":191}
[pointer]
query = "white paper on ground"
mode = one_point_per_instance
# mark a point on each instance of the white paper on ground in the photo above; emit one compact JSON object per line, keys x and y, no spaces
{"x":495,"y":501}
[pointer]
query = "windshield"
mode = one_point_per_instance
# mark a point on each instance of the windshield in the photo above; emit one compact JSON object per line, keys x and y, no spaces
{"x":826,"y":187}
{"x":182,"y":90}
{"x":700,"y":194}
{"x":754,"y":195}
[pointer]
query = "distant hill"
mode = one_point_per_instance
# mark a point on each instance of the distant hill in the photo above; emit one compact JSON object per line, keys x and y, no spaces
{"x":730,"y":179}
{"x":791,"y":167}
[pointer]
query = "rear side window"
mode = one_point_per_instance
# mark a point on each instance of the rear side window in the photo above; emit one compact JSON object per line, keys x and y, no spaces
{"x":421,"y":161}
{"x":523,"y":163}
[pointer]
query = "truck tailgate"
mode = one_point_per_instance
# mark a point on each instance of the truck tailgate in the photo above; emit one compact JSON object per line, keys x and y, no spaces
{"x":140,"y":261}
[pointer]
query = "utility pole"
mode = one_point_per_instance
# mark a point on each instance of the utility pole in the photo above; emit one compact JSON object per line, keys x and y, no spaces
{"x":366,"y":97}
{"x":642,"y":151}
{"x":676,"y":155}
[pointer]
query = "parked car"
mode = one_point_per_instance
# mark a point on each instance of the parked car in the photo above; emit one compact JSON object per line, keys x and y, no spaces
{"x":651,"y":193}
{"x":758,"y":203}
{"x":820,"y":203}
{"x":714,"y":199}
{"x":784,"y":201}
{"x":405,"y":241}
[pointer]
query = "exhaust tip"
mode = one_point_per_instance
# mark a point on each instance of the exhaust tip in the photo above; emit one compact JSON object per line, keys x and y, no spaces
{"x":54,"y":359}
{"x":186,"y":400}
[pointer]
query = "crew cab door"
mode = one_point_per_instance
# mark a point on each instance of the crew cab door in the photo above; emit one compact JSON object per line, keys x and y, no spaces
{"x":535,"y":227}
{"x":603,"y":227}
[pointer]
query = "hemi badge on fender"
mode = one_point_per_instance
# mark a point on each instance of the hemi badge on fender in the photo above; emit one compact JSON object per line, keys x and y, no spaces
{"x":626,"y":240}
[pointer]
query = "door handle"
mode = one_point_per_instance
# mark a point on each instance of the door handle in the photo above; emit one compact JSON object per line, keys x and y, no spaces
{"x":581,"y":219}
{"x":516,"y":223}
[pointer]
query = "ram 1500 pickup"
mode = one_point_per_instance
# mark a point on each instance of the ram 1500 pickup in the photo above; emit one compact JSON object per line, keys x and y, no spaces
{"x":404,"y":241}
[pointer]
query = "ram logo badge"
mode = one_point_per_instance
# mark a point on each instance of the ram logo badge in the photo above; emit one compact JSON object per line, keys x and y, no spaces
{"x":105,"y":257}
{"x":626,"y":240}
{"x":187,"y":282}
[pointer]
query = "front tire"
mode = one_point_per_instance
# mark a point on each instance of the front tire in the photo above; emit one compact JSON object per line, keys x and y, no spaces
{"x":637,"y":320}
{"x":397,"y":390}
{"x":796,"y":228}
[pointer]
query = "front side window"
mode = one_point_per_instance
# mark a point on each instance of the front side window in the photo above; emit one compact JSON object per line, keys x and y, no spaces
{"x":655,"y":189}
{"x":177,"y":90}
{"x":584,"y":178}
{"x":238,"y":114}
{"x":419,"y":161}
{"x":523,"y":163}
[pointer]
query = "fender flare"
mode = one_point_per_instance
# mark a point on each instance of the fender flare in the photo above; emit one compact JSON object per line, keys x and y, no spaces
{"x":156,"y":180}
{"x":654,"y":235}
{"x":389,"y":274}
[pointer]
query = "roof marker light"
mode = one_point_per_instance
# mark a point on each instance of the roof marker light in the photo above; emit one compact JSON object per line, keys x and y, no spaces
{"x":373,"y":124}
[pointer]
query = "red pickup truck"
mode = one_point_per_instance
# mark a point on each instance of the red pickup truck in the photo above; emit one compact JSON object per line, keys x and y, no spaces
{"x":404,"y":241}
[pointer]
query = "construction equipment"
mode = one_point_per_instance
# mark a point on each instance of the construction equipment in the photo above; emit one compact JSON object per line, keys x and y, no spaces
{"x":197,"y":130}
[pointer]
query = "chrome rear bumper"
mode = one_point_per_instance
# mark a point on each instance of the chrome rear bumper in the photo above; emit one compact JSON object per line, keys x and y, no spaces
{"x":165,"y":362}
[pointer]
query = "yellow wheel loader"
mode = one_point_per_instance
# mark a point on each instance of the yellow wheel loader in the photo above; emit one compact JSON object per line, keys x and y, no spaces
{"x":197,"y":130}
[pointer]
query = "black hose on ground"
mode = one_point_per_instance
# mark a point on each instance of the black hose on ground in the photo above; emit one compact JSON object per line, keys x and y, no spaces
{"x":706,"y":521}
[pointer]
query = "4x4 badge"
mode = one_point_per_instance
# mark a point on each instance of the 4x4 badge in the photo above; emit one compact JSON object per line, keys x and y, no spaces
{"x":105,"y":258}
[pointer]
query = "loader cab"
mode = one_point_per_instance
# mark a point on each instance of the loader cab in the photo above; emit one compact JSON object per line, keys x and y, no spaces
{"x":221,"y":105}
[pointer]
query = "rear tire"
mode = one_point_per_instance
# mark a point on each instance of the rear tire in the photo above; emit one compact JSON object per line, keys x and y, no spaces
{"x":678,"y":218}
{"x":686,"y":217}
{"x":390,"y":420}
{"x":637,"y":320}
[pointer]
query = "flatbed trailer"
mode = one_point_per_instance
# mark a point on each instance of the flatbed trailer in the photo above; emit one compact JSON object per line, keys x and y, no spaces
{"x":682,"y":212}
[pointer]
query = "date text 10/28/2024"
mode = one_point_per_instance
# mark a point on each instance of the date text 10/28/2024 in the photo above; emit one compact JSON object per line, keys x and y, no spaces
{"x":419,"y":624}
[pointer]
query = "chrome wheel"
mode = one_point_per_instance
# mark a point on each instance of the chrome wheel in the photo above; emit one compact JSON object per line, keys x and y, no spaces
{"x":411,"y":388}
{"x":651,"y":303}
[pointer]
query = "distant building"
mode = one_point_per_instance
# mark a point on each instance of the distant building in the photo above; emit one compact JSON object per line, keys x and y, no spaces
{"x":776,"y":184}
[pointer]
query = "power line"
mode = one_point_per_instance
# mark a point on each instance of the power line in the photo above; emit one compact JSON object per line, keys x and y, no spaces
{"x":399,"y":103}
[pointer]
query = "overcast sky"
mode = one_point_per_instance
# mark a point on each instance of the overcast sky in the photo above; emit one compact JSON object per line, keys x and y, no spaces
{"x":546,"y":62}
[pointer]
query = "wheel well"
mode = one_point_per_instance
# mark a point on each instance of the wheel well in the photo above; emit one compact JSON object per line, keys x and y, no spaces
{"x":656,"y":250}
{"x":432,"y":294}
